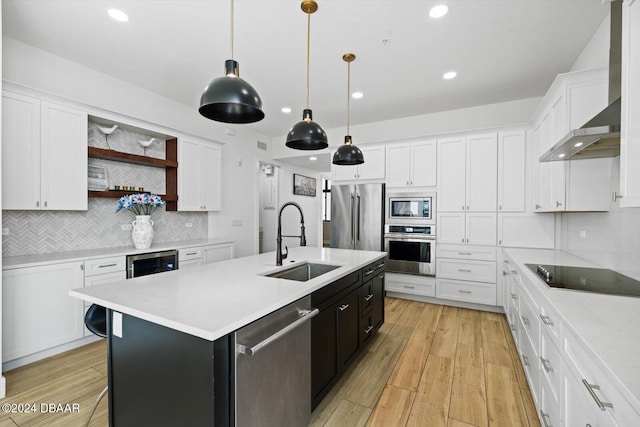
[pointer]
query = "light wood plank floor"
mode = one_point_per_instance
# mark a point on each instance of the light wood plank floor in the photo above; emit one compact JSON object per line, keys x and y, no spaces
{"x":429,"y":365}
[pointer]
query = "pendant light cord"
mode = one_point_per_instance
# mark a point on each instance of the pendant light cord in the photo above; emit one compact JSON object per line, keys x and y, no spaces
{"x":348,"y":92}
{"x":231,"y":26}
{"x":308,"y":50}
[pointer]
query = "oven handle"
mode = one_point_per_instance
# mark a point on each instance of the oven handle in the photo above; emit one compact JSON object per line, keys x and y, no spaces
{"x":409,"y":238}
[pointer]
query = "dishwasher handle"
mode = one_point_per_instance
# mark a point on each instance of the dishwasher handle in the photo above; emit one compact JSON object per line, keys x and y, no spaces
{"x":305,"y":315}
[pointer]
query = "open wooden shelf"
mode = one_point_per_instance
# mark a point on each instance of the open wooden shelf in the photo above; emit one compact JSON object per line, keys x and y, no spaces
{"x":102,"y":153}
{"x":170,"y":165}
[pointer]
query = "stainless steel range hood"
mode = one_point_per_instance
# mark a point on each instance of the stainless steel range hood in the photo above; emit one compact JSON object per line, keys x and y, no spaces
{"x":600,"y":136}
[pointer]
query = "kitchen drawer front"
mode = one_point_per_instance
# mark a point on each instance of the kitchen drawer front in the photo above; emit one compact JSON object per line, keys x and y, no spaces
{"x":585,"y":369}
{"x":480,"y":253}
{"x":550,"y":322}
{"x":476,"y":271}
{"x":530,"y":322}
{"x":476,"y":292}
{"x":531,"y":365}
{"x":101,"y":279}
{"x":551,"y":365}
{"x":410,"y":284}
{"x":549,"y":409}
{"x":215,"y":253}
{"x":189,"y":254}
{"x":104,"y":265}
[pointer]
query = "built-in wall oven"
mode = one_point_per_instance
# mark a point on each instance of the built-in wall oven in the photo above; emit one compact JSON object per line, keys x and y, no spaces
{"x":411,"y":249}
{"x":151,"y":263}
{"x":410,"y":208}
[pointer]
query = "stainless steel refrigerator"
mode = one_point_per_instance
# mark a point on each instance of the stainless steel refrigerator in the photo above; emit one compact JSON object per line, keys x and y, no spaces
{"x":357,"y":216}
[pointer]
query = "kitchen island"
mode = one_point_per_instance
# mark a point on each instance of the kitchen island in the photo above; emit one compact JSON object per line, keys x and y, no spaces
{"x":164,"y":330}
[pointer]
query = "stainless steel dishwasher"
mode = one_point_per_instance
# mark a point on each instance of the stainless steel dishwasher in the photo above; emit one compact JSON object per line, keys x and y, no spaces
{"x":273,"y":368}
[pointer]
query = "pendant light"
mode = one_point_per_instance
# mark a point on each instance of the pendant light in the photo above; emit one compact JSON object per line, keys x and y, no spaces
{"x":230,"y":99}
{"x":306,"y":134}
{"x":348,"y":154}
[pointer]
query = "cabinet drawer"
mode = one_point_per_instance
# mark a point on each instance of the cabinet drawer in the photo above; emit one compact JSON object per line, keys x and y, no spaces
{"x":586,"y":370}
{"x":549,"y":409}
{"x":551,"y":365}
{"x":410,"y":284}
{"x":104,"y":265}
{"x":481,"y":293}
{"x":481,"y":253}
{"x":531,"y":365}
{"x":189,"y":254}
{"x":477,"y":271}
{"x":550,"y":322}
{"x":530,"y":322}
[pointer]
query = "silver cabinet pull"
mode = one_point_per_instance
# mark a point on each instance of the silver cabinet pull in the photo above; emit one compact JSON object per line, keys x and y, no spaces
{"x":514,"y":271}
{"x":514,"y":296}
{"x":305,"y":315}
{"x":465,"y":253}
{"x":343,"y":307}
{"x":380,"y":265}
{"x":464,"y":271}
{"x":558,"y":204}
{"x":506,"y":261}
{"x":368,"y":329}
{"x":591,"y":388}
{"x":368,"y":297}
{"x":37,"y":204}
{"x":546,"y":320}
{"x":368,"y":273}
{"x":192,"y":253}
{"x":504,"y":273}
{"x":408,"y":287}
{"x":544,"y":419}
{"x":107,"y":265}
{"x":538,"y":206}
{"x":463,"y":240}
{"x":525,"y":321}
{"x":464,"y":292}
{"x":525,"y":359}
{"x":45,"y":203}
{"x":545,"y":364}
{"x":381,"y":276}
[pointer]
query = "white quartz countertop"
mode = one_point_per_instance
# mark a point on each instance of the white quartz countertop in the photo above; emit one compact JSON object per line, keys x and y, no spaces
{"x":70,"y":256}
{"x":608,"y":325}
{"x":212,"y":300}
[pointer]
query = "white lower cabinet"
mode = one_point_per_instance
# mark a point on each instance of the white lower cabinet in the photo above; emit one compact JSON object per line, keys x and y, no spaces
{"x":189,"y":257}
{"x":101,"y":271}
{"x":473,"y":228}
{"x":458,"y":290}
{"x":410,"y":284}
{"x":37,"y":311}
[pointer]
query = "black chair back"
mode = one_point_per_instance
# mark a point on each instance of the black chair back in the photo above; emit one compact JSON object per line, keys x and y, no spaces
{"x":96,"y":320}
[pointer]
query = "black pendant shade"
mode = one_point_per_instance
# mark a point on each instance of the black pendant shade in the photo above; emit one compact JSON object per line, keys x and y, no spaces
{"x":348,"y":154}
{"x":230,"y":99}
{"x":307,"y":134}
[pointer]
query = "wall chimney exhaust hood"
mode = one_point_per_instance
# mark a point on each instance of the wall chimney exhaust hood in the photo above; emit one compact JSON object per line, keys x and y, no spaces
{"x":600,"y":136}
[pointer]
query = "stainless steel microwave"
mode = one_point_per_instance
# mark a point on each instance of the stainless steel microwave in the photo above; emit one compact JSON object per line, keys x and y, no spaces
{"x":410,"y":208}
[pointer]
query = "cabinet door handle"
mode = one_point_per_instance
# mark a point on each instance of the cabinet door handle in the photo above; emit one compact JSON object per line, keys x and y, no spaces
{"x":409,"y":287}
{"x":343,"y":307}
{"x":558,"y":204}
{"x":514,"y":296}
{"x":193,"y":253}
{"x":45,"y":203}
{"x":465,"y":253}
{"x":464,"y":292}
{"x":514,"y":271}
{"x":545,"y":364}
{"x":381,"y":276}
{"x":368,"y":329}
{"x":107,"y":265}
{"x":538,"y":206}
{"x":368,"y":273}
{"x":380,"y":265}
{"x":525,"y":359}
{"x":544,"y":419}
{"x":591,"y":387}
{"x":462,"y":207}
{"x":368,"y":297}
{"x":525,"y":321}
{"x":464,"y":271}
{"x":504,"y":273}
{"x":463,"y":240}
{"x":37,"y":204}
{"x":546,"y":320}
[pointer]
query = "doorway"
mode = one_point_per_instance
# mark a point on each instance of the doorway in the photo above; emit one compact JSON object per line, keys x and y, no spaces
{"x":268,"y":177}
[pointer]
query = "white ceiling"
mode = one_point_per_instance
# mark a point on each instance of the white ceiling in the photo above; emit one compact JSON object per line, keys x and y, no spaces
{"x":502,"y":50}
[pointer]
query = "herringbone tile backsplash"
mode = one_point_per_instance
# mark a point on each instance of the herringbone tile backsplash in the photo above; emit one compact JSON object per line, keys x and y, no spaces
{"x":38,"y":232}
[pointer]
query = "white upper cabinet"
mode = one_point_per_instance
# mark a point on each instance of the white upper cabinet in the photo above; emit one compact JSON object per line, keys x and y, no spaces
{"x":630,"y":125}
{"x":199,"y":176}
{"x":372,"y":168}
{"x":468,"y":173}
{"x":575,"y":185}
{"x":44,"y":155}
{"x":511,"y":171}
{"x":411,"y":164}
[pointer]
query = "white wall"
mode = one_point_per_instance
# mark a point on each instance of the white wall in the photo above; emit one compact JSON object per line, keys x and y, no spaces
{"x":596,"y":52}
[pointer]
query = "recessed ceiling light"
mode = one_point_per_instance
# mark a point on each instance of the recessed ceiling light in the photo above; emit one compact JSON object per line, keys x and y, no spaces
{"x":357,"y":95}
{"x":118,"y":15}
{"x":578,"y":144}
{"x":313,"y":158}
{"x":438,"y":11}
{"x":286,"y":110}
{"x":561,"y":155}
{"x":449,"y":75}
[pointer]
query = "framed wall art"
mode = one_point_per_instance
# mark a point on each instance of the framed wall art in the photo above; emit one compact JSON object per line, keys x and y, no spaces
{"x":304,"y":185}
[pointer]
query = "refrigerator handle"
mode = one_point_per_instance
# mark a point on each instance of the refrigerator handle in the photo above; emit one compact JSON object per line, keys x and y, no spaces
{"x":358,"y":220}
{"x":351,"y":222}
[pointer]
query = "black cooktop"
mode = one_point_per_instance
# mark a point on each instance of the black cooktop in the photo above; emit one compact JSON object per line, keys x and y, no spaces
{"x":599,"y":280}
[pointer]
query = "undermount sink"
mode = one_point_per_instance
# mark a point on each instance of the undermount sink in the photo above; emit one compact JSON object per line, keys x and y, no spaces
{"x":303,"y":272}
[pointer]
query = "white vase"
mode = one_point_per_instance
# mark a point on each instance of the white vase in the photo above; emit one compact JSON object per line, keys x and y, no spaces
{"x":142,"y":232}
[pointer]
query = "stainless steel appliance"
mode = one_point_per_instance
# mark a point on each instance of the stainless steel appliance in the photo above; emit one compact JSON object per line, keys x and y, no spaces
{"x":357,"y":216}
{"x":151,"y":263}
{"x":598,"y":280}
{"x":411,"y":249}
{"x":410,"y":208}
{"x":273,"y":368}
